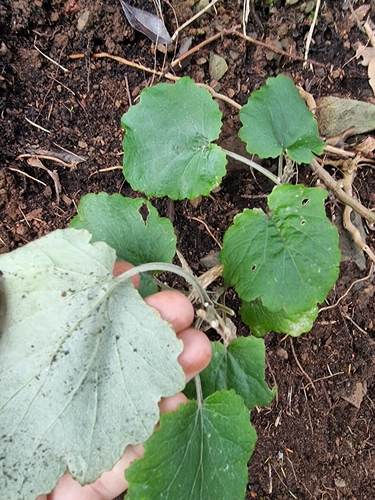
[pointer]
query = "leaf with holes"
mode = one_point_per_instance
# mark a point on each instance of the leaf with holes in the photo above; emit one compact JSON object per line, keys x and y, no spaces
{"x":197,"y":453}
{"x":276,"y":120}
{"x":261,"y":320}
{"x":240,"y":366}
{"x":168,"y":148}
{"x":131,"y":226}
{"x":289,"y":258}
{"x":83,"y":364}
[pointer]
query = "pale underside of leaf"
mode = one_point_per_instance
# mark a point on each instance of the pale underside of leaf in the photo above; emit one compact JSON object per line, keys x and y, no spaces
{"x":83,"y":364}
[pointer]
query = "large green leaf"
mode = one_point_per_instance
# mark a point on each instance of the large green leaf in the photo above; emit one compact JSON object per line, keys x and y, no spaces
{"x":276,"y":120}
{"x":83,"y":364}
{"x":261,"y":320}
{"x":168,"y":148}
{"x":197,"y":453}
{"x":288,"y":258}
{"x":241,"y":367}
{"x":131,"y":226}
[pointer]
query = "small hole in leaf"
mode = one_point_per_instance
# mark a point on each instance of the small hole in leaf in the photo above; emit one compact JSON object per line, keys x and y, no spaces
{"x":303,"y":222}
{"x":253,"y":267}
{"x":305,"y":201}
{"x":144,"y":211}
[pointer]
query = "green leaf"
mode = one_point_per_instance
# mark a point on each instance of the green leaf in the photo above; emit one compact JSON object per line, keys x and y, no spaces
{"x":240,"y":367}
{"x":196,"y":454}
{"x":276,"y":120}
{"x":83,"y":364}
{"x":289,"y":258}
{"x":119,"y":222}
{"x":261,"y":320}
{"x":168,"y":148}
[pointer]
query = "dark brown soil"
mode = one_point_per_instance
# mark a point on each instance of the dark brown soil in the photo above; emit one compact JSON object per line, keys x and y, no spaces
{"x":316,"y":440}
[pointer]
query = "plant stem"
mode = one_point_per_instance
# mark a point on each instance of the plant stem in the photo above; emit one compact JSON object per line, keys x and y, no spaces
{"x":280,"y":166}
{"x":198,"y":389}
{"x":208,"y":313}
{"x":164,"y":266}
{"x":254,"y":165}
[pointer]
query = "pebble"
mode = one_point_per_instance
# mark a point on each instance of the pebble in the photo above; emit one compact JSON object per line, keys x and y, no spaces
{"x":217,"y":66}
{"x":282,"y":353}
{"x":83,"y":20}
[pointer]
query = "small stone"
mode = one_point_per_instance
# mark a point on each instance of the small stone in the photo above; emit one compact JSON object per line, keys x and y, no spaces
{"x":234,"y":55}
{"x":196,"y":202}
{"x":201,"y":60}
{"x":66,"y":199}
{"x":354,"y":393}
{"x":310,"y":6}
{"x":339,"y":482}
{"x":282,"y":353}
{"x":54,"y":17}
{"x":217,"y":66}
{"x":3,"y":48}
{"x":83,"y":20}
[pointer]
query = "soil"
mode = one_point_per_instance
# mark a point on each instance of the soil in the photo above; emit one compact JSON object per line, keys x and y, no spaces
{"x":317,"y":438}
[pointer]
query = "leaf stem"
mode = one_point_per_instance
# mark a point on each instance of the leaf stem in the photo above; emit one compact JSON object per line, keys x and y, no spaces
{"x":208,"y":313}
{"x":254,"y":165}
{"x":198,"y":389}
{"x":164,"y":266}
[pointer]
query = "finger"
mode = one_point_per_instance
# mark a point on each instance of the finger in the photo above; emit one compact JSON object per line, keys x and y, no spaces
{"x":121,"y":267}
{"x":196,"y":354}
{"x":174,"y":307}
{"x":167,"y":405}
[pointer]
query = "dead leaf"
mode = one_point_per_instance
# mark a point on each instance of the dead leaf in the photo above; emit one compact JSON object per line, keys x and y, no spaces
{"x":367,"y":146}
{"x":351,"y":20}
{"x":33,"y":214}
{"x":147,"y":23}
{"x":368,"y":55}
{"x":308,"y":98}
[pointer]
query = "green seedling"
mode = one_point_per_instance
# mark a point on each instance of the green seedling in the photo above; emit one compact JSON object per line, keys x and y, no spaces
{"x":84,"y":361}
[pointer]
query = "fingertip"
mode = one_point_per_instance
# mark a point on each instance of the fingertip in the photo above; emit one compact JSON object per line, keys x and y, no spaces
{"x":174,"y":307}
{"x":197,"y":352}
{"x":167,"y":405}
{"x":121,"y":267}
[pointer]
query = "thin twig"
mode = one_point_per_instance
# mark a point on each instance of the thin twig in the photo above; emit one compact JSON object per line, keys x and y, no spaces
{"x":37,"y":126}
{"x":128,"y":91}
{"x":336,"y":187}
{"x":216,"y":95}
{"x":189,"y":21}
{"x":134,"y":65}
{"x":323,"y":378}
{"x":300,"y":366}
{"x":274,"y":49}
{"x":50,"y":158}
{"x":60,"y":83}
{"x":311,"y":30}
{"x":27,"y":175}
{"x":51,"y":60}
{"x":355,"y":324}
{"x":208,"y":230}
{"x":167,"y":75}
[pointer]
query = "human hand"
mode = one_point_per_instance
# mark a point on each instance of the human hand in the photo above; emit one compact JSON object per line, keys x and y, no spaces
{"x":177,"y":310}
